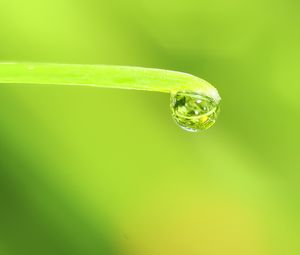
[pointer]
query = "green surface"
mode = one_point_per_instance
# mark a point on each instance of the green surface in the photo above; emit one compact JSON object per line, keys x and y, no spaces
{"x":103,"y":171}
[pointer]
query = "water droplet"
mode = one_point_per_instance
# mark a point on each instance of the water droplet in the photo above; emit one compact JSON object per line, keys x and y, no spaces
{"x":193,"y":111}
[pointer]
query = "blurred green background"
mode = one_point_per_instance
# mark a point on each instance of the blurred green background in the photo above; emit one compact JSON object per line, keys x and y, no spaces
{"x":100,"y":171}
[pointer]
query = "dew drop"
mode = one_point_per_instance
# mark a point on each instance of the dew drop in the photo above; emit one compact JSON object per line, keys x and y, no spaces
{"x":193,"y":111}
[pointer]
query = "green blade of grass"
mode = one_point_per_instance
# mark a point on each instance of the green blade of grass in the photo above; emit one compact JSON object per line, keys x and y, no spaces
{"x":194,"y":102}
{"x":122,"y":77}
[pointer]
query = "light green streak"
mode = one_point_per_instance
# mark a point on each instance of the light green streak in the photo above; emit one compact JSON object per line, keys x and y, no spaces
{"x":122,"y":77}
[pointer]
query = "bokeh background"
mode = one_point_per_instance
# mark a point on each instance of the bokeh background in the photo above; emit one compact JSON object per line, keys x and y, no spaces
{"x":103,"y":171}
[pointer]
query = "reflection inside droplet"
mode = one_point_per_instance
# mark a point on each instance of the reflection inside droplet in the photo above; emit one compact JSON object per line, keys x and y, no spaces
{"x":193,"y":111}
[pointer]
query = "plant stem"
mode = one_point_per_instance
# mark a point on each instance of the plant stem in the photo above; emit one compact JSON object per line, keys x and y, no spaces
{"x":123,"y":77}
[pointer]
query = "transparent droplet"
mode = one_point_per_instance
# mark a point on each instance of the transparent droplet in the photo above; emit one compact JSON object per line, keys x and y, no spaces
{"x":193,"y":111}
